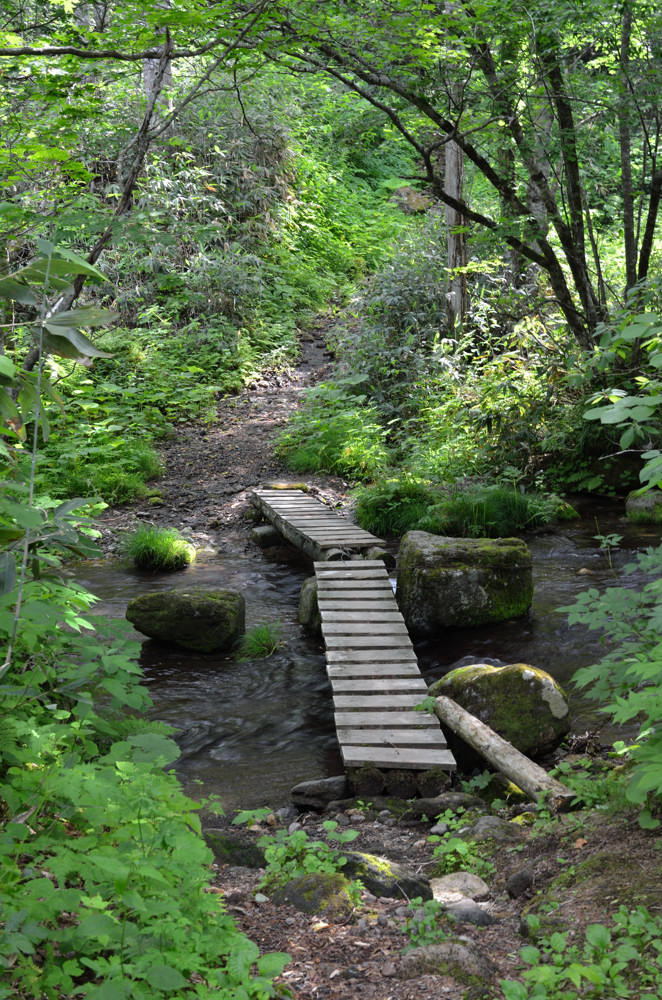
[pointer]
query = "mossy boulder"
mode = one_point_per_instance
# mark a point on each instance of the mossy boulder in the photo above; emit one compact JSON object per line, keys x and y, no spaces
{"x":644,"y":509}
{"x":325,"y":893}
{"x":523,"y":704}
{"x":207,"y":621}
{"x":384,"y":878}
{"x":459,"y":958}
{"x":462,"y":582}
{"x":309,"y":612}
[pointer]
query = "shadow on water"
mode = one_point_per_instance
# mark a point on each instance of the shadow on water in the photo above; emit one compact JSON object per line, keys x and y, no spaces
{"x":565,"y":564}
{"x":248,"y":731}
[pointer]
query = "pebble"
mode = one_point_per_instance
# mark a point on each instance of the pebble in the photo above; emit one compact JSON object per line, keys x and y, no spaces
{"x":382,"y":920}
{"x":290,"y":921}
{"x":418,"y":845}
{"x":259,"y":897}
{"x":391,"y":822}
{"x":368,"y":897}
{"x":439,"y":829}
{"x":388,"y":970}
{"x":362,"y":924}
{"x":293,"y":827}
{"x":342,"y":820}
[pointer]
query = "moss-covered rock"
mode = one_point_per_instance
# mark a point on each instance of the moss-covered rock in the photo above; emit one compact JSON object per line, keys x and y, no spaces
{"x":644,"y":509}
{"x":309,"y":612}
{"x":205,"y":620}
{"x":523,"y":704}
{"x":462,"y":581}
{"x":384,"y":878}
{"x":325,"y":893}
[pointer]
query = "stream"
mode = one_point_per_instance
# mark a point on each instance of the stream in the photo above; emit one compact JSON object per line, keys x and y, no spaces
{"x":249,"y":731}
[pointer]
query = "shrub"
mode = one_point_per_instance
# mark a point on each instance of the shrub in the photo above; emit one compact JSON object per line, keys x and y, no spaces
{"x":158,"y":549}
{"x":394,"y":506}
{"x":479,"y":511}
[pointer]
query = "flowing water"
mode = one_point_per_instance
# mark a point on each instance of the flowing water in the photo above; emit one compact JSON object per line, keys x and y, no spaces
{"x":249,"y":731}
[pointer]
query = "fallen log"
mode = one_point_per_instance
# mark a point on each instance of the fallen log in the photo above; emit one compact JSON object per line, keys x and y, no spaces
{"x":503,"y":756}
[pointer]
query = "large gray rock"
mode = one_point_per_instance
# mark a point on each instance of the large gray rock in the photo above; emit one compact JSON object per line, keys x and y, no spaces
{"x":523,"y":704}
{"x":205,"y":620}
{"x":462,"y":581}
{"x":318,"y":792}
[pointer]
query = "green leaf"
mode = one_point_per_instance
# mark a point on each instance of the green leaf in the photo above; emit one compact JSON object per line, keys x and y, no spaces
{"x":89,"y":316}
{"x":272,"y":964}
{"x":71,"y":343}
{"x":598,"y":936}
{"x":17,"y":291}
{"x":164,"y":977}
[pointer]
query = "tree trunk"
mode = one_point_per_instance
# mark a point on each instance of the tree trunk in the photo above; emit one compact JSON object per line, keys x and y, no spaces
{"x":627,"y":192}
{"x":456,"y":297}
{"x":498,"y":752}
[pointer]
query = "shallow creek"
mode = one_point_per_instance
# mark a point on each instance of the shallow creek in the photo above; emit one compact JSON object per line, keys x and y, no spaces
{"x":249,"y":731}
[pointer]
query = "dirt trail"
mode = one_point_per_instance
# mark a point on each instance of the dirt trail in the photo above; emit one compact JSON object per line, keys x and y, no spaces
{"x":209,"y":469}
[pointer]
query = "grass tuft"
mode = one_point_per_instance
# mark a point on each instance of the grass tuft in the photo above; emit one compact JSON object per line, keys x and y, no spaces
{"x":260,"y":642}
{"x":157,"y":549}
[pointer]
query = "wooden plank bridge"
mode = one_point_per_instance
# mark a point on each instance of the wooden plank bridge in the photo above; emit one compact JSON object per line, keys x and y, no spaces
{"x":371,"y":663}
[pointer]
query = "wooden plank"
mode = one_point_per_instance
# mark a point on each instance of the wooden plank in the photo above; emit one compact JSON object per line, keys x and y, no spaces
{"x":368,"y":615}
{"x":367,"y":641}
{"x":363,"y":563}
{"x":370,"y":655}
{"x":376,"y":670}
{"x":386,"y":720}
{"x":415,"y":685}
{"x":369,"y":702}
{"x":388,"y":737}
{"x":373,"y":628}
{"x":333,"y":604}
{"x":422,"y":759}
{"x":358,"y":587}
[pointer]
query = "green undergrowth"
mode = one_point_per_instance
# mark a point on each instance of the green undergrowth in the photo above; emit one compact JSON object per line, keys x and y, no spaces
{"x":338,"y":430}
{"x":104,"y":869}
{"x":394,"y":506}
{"x":157,"y":549}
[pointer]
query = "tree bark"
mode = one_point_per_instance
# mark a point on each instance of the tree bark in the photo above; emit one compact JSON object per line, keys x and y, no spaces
{"x":627,"y":192}
{"x":528,"y":776}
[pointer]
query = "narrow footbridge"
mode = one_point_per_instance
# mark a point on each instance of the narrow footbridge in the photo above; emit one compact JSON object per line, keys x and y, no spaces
{"x":370,"y":659}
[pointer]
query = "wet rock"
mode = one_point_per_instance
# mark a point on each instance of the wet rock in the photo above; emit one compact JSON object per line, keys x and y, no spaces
{"x":462,"y":581}
{"x":521,"y":703}
{"x":323,"y":893}
{"x":309,"y":612}
{"x":465,"y":883}
{"x":460,"y":959}
{"x":265,"y":535}
{"x":384,"y":878}
{"x":200,"y":619}
{"x":317,"y":794}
